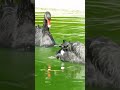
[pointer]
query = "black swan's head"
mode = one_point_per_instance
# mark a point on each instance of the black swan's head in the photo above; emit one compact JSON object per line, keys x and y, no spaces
{"x":47,"y":18}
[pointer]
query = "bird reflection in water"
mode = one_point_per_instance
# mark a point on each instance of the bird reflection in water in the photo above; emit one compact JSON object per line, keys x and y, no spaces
{"x":49,"y":70}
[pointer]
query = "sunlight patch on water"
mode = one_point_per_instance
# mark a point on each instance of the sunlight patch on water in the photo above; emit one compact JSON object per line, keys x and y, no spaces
{"x":60,"y":19}
{"x":70,"y":27}
{"x":74,"y":34}
{"x":60,"y":22}
{"x":39,"y":61}
{"x":52,"y":57}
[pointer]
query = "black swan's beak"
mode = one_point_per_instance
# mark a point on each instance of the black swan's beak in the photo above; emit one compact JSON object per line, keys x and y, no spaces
{"x":48,"y":23}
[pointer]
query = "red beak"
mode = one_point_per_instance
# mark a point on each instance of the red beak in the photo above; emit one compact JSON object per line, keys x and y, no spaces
{"x":48,"y":23}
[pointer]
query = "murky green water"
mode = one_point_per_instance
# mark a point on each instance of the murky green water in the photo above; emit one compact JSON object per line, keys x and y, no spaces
{"x":73,"y":75}
{"x":102,"y":19}
{"x":16,"y":69}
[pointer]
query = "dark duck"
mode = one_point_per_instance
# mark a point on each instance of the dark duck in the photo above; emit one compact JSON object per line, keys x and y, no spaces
{"x":43,"y":37}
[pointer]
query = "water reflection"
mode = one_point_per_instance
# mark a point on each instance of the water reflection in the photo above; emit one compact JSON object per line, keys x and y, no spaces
{"x":72,"y":72}
{"x":61,"y":74}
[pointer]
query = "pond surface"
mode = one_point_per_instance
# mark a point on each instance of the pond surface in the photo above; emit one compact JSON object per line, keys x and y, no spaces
{"x":63,"y":75}
{"x":16,"y":69}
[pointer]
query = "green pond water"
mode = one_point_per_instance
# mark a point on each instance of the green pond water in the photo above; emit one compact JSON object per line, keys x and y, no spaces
{"x":73,"y":75}
{"x":16,"y":69}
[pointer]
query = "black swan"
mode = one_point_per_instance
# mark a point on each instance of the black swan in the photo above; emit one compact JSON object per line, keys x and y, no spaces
{"x":43,"y":36}
{"x":17,"y":24}
{"x":72,"y":52}
{"x":102,"y":63}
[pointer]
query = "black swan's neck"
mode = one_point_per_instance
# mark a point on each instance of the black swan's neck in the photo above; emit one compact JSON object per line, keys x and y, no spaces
{"x":45,"y":24}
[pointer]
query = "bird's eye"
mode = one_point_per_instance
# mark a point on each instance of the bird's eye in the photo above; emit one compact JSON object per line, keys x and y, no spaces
{"x":64,"y":46}
{"x":60,"y":46}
